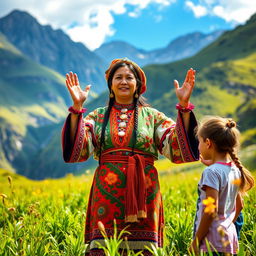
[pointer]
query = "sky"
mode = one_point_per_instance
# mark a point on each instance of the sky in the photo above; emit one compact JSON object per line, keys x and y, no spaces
{"x":145,"y":24}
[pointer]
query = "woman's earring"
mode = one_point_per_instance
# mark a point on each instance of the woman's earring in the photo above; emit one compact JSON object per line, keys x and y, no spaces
{"x":136,"y":95}
{"x":111,"y":95}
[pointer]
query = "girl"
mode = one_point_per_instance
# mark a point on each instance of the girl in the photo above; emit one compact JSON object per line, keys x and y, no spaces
{"x":221,"y":186}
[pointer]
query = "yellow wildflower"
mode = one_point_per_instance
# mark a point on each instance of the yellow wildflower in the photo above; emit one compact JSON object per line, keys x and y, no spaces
{"x":237,"y":182}
{"x":209,"y":205}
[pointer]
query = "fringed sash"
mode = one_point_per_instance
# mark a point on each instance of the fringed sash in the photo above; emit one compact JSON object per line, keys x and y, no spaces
{"x":135,"y":194}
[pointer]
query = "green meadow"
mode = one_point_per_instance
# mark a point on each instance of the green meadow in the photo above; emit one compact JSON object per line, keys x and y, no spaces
{"x":47,"y":217}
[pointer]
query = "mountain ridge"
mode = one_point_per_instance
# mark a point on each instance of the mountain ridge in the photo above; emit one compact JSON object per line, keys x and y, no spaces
{"x":52,"y":48}
{"x":32,"y":118}
{"x":181,"y":47}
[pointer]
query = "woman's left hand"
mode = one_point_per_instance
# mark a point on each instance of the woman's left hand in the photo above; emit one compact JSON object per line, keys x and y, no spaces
{"x":183,"y":93}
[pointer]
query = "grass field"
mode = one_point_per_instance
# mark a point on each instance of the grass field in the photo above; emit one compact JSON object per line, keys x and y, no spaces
{"x":47,"y":217}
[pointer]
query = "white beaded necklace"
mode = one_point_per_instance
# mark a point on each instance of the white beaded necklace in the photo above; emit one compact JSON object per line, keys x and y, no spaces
{"x":123,"y":122}
{"x":123,"y":117}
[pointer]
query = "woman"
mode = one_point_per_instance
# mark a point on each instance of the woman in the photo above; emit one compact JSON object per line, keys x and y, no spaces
{"x":126,"y":137}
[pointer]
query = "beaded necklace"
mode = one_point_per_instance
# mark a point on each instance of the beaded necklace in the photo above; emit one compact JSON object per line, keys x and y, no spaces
{"x":123,"y":117}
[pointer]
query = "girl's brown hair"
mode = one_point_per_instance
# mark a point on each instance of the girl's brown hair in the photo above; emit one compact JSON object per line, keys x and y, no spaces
{"x":225,"y":136}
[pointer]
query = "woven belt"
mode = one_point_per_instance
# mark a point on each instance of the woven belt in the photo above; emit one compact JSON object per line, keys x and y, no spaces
{"x":135,"y":194}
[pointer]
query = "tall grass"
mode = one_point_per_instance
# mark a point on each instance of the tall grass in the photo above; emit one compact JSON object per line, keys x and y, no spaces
{"x":47,"y":217}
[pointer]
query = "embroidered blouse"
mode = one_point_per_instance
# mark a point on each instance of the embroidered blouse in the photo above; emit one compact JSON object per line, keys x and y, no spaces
{"x":156,"y":134}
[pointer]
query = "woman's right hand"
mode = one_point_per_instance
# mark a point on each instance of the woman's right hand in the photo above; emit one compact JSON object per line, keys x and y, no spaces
{"x":78,"y":95}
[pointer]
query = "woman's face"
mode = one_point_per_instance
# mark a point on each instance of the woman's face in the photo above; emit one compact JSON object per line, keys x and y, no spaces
{"x":124,"y":85}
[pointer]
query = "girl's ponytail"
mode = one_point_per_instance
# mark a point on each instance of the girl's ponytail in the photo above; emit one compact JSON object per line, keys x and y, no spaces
{"x":247,"y":180}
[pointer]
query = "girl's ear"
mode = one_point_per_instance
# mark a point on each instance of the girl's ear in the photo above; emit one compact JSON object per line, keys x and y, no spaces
{"x":208,"y":143}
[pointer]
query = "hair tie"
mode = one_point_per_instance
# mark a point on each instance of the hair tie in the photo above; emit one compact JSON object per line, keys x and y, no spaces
{"x":230,"y":123}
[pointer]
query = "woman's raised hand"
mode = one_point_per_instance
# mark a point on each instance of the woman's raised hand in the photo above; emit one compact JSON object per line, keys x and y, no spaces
{"x":183,"y":93}
{"x":78,"y":95}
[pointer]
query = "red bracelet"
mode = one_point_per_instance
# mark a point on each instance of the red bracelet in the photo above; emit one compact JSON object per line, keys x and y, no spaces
{"x":74,"y":111}
{"x":189,"y":108}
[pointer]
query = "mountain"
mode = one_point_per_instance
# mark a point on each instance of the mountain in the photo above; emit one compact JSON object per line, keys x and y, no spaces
{"x":225,"y":80}
{"x":33,"y":104}
{"x":182,"y":47}
{"x":34,"y":100}
{"x":185,"y":46}
{"x":120,"y":49}
{"x":225,"y":83}
{"x":53,"y":48}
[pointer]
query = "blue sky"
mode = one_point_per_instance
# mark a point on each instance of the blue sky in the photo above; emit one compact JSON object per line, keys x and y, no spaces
{"x":146,"y":24}
{"x":155,"y":29}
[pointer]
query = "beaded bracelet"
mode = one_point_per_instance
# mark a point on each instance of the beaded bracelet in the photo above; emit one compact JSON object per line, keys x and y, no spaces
{"x":77,"y":112}
{"x":189,"y":108}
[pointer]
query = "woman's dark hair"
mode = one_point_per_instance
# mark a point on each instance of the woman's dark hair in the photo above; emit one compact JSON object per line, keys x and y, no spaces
{"x":140,"y":101}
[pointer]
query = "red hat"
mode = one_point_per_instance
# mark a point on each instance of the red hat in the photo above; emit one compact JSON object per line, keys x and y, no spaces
{"x":138,"y":69}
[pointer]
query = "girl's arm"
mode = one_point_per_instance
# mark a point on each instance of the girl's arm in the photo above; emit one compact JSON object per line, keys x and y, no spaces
{"x":206,"y":220}
{"x":239,"y":205}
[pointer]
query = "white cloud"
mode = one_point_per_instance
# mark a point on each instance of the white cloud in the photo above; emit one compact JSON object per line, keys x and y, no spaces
{"x":235,"y":11}
{"x":198,"y":10}
{"x":87,"y":21}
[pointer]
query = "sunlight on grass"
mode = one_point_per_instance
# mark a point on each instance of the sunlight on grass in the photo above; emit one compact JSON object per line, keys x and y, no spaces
{"x":47,"y":217}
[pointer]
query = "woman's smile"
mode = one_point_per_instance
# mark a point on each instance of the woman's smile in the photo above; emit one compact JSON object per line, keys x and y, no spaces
{"x":124,"y":85}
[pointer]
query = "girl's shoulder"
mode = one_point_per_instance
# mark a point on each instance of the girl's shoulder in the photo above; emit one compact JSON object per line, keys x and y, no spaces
{"x":218,"y":168}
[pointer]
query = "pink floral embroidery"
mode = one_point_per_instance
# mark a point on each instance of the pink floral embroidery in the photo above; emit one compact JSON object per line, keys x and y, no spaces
{"x":146,"y":145}
{"x":101,"y":118}
{"x":165,"y":124}
{"x":149,"y":117}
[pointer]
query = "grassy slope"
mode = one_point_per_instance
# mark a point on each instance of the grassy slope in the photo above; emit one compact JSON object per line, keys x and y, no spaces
{"x":225,"y":83}
{"x":225,"y":86}
{"x":30,"y":95}
{"x":29,"y":89}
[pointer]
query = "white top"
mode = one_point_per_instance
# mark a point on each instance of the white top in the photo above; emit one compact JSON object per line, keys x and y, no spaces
{"x":220,"y":176}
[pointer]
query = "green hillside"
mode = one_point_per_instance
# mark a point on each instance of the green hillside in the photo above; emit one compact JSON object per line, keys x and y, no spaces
{"x":34,"y":100}
{"x":225,"y":80}
{"x":30,"y":95}
{"x":33,"y":105}
{"x":225,"y":83}
{"x":30,"y":87}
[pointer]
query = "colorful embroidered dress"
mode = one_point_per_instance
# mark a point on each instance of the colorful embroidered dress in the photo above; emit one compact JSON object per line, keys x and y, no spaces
{"x":114,"y":176}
